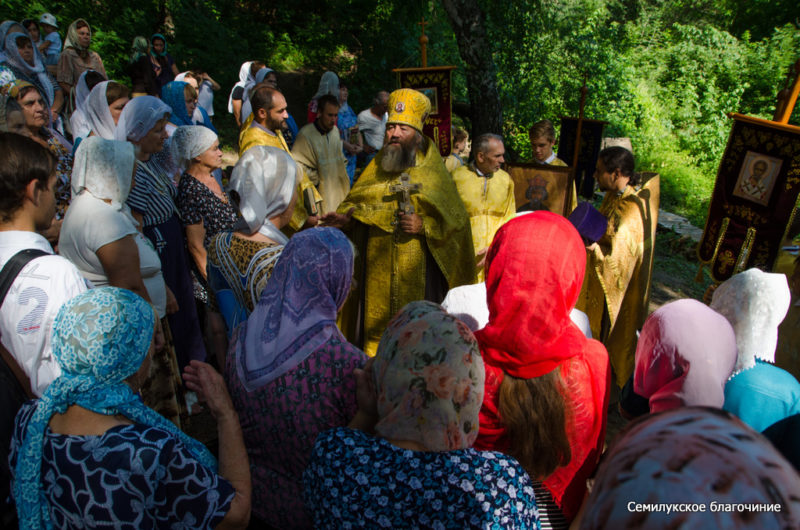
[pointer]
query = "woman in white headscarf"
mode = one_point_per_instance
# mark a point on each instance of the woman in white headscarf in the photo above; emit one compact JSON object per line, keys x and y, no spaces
{"x":328,"y":84}
{"x":104,"y":108}
{"x":205,"y":211}
{"x":152,"y":201}
{"x":240,"y":262}
{"x":99,"y":236}
{"x":247,"y":80}
{"x":755,"y":303}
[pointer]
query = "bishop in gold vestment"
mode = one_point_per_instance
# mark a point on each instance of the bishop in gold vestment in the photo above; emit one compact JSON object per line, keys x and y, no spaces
{"x":616,"y":286}
{"x":398,"y":267}
{"x":487,"y":192}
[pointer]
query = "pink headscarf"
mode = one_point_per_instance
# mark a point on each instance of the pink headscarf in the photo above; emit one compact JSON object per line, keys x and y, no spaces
{"x":685,"y":354}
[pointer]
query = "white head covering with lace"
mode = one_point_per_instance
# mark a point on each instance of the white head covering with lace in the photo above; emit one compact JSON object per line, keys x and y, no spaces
{"x":139,"y":116}
{"x":104,"y":168}
{"x":264,"y":178}
{"x":755,"y":303}
{"x":189,"y":141}
{"x":328,"y":84}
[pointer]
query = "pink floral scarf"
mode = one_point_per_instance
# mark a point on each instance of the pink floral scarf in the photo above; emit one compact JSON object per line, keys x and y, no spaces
{"x":429,"y":377}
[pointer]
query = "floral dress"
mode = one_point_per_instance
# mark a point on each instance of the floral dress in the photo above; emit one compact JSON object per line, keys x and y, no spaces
{"x":357,"y":481}
{"x":198,"y":204}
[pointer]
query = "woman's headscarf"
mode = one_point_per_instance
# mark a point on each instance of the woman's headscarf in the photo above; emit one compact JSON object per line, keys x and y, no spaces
{"x":429,"y":378}
{"x":104,"y":168}
{"x":100,"y":338}
{"x":5,"y":27}
{"x":755,"y":303}
{"x":173,"y":95}
{"x":298,"y":307}
{"x":98,"y":114}
{"x":139,"y":116}
{"x":153,"y":37}
{"x":685,"y":354}
{"x":264,"y":177}
{"x":139,"y":48}
{"x":189,"y":141}
{"x":72,"y":40}
{"x":244,"y":74}
{"x":35,"y":72}
{"x":690,"y":456}
{"x":328,"y":84}
{"x":534,"y":273}
{"x":78,"y":120}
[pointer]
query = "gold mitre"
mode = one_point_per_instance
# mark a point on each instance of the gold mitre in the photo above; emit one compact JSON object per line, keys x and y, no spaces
{"x":408,"y":107}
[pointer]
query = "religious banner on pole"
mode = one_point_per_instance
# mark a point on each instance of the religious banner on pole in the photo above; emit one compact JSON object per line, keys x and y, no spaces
{"x":754,"y":197}
{"x":434,"y":82}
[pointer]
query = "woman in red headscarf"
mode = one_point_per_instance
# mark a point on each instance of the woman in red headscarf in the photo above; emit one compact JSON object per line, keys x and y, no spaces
{"x":546,"y":384}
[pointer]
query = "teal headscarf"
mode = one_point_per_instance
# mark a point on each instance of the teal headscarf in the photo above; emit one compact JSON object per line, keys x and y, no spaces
{"x":153,"y":37}
{"x":100,"y":338}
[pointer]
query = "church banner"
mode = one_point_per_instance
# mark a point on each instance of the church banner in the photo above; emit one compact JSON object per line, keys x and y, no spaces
{"x":757,"y":185}
{"x":434,"y":82}
{"x":591,"y":142}
{"x":539,"y":186}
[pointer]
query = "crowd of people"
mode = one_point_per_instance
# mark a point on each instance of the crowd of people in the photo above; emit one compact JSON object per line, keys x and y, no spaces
{"x":383,"y":340}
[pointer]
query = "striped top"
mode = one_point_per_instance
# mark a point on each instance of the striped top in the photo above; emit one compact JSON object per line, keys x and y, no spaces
{"x":154,"y":193}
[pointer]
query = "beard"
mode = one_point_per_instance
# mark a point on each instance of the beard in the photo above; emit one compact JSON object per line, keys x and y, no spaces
{"x":398,"y":157}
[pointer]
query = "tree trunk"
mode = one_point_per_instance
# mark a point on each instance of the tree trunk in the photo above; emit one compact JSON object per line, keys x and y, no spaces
{"x":467,"y":21}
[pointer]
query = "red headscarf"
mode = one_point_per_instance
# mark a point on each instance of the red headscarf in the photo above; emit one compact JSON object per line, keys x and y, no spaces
{"x":535,"y":270}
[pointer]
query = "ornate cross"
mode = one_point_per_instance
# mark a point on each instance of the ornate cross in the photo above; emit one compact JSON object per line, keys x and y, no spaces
{"x":423,"y":42}
{"x":404,"y":189}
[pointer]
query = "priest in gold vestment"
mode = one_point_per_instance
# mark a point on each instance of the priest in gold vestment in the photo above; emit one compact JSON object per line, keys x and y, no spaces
{"x":487,"y":192}
{"x":616,"y":285}
{"x":263,"y":127}
{"x":405,"y":217}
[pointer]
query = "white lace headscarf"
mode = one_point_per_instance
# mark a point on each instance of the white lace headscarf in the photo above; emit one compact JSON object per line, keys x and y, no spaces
{"x":189,"y":141}
{"x":104,"y":168}
{"x":755,"y":303}
{"x":244,"y":75}
{"x":264,"y":178}
{"x":139,"y":116}
{"x":98,"y":114}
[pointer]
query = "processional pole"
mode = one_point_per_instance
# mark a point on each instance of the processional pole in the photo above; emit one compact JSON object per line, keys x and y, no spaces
{"x":568,"y":206}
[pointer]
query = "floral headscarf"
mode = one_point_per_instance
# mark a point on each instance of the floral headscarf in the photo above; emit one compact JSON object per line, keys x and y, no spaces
{"x":139,"y":48}
{"x":297,"y":310}
{"x":692,"y":455}
{"x":172,"y":94}
{"x":100,"y":338}
{"x":429,"y":377}
{"x":686,"y":352}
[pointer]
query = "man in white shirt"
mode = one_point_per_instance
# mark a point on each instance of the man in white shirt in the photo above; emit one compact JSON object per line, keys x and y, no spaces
{"x":372,"y":124}
{"x":27,"y":206}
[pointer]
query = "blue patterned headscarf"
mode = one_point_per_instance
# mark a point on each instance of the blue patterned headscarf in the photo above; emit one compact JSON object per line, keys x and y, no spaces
{"x":100,"y":338}
{"x":172,"y":94}
{"x":297,"y":310}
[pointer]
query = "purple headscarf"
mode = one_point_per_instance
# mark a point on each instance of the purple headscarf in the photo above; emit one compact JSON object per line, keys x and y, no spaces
{"x":297,"y":310}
